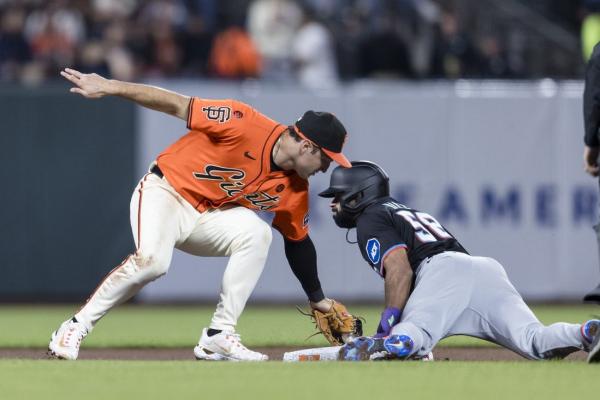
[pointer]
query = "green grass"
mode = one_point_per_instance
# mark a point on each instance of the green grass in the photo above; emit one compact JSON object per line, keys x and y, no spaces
{"x":133,"y":326}
{"x":177,"y":326}
{"x":92,"y":380}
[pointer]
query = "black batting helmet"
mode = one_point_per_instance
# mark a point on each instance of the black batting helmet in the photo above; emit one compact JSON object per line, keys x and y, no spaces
{"x":356,"y":188}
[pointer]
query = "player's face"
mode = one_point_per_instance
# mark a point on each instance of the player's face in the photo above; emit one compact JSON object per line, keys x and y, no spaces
{"x":335,"y":205}
{"x":311,"y":160}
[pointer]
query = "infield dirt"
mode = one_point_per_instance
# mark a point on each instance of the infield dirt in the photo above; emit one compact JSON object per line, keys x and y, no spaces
{"x":274,"y":353}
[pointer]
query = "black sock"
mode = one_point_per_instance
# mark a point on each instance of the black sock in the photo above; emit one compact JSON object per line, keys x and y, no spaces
{"x":213,"y":332}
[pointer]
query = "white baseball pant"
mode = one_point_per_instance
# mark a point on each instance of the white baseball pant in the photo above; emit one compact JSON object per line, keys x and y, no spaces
{"x":161,"y":220}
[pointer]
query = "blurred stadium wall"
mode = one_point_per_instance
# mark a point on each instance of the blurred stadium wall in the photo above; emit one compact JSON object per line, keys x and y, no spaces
{"x":67,"y":172}
{"x":499,"y":163}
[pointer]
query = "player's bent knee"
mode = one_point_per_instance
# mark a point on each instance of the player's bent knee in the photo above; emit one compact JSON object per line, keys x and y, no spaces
{"x":421,"y":341}
{"x":151,"y":265}
{"x":259,"y":237}
{"x":265,"y":236}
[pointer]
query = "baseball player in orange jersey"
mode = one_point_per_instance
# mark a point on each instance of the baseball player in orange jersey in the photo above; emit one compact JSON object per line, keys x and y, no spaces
{"x":200,"y":196}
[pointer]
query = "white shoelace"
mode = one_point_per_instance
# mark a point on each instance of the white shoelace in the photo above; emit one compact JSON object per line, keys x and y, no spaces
{"x":73,"y":334}
{"x":237,"y":339}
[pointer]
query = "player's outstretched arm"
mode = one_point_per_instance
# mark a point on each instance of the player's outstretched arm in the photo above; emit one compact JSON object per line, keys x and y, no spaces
{"x":94,"y":86}
{"x":398,"y":278}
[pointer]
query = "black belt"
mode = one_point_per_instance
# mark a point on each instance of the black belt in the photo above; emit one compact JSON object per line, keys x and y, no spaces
{"x":156,"y":171}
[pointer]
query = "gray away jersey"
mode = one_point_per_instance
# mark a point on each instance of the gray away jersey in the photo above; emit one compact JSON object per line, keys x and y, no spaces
{"x":388,"y":225}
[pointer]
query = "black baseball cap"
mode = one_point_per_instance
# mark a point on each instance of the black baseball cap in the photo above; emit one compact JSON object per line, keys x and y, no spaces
{"x":326,"y":131}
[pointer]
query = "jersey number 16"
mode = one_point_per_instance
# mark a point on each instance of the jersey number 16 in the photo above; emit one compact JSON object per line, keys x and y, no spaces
{"x":427,"y":229}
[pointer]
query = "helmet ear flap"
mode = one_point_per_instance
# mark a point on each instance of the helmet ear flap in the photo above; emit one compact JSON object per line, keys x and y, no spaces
{"x":353,"y":199}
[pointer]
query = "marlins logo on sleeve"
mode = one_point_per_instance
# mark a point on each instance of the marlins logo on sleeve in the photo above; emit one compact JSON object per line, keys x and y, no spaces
{"x":373,"y":250}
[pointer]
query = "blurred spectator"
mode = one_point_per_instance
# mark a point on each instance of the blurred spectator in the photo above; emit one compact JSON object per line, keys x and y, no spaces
{"x":456,"y":55}
{"x":196,"y":45}
{"x":349,"y":30}
{"x":136,"y":39}
{"x":119,"y":58}
{"x":234,"y":55}
{"x":108,"y":9}
{"x":167,"y":19}
{"x":52,"y":46}
{"x":167,"y":12}
{"x":232,"y":13}
{"x":207,"y":10}
{"x":91,"y":59}
{"x":313,"y":55}
{"x":422,"y":36}
{"x":14,"y":49}
{"x":166,"y":52}
{"x":494,"y":64}
{"x":384,"y":53}
{"x":272,"y":25}
{"x":64,"y":21}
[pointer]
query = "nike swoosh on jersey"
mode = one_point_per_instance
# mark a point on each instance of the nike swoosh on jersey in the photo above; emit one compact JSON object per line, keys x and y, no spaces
{"x":247,"y":154}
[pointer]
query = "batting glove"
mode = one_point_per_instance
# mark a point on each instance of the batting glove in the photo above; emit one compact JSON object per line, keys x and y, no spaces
{"x":389,"y":317}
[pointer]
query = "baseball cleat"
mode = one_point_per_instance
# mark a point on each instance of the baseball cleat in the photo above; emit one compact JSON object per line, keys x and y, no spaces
{"x":394,"y":347}
{"x":591,"y":340}
{"x":65,"y":341}
{"x":593,"y":296}
{"x":401,"y":346}
{"x":362,"y":348}
{"x":589,"y":330}
{"x":225,"y":346}
{"x":594,"y":355}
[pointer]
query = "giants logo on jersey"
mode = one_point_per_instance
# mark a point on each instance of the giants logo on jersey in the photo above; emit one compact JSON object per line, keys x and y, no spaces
{"x":233,"y":178}
{"x":232,"y":183}
{"x":221,"y":114}
{"x":261,"y":200}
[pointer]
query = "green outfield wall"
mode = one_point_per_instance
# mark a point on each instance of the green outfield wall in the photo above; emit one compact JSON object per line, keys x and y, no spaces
{"x":66,"y":171}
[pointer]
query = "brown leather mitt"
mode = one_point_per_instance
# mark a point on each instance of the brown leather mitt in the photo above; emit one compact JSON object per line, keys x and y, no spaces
{"x":337,"y":325}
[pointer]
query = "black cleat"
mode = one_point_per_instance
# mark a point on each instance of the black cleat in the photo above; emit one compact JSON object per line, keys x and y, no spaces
{"x":593,"y":296}
{"x":594,"y":355}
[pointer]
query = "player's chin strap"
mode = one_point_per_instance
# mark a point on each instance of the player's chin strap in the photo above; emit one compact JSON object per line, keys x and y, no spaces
{"x":348,"y":240}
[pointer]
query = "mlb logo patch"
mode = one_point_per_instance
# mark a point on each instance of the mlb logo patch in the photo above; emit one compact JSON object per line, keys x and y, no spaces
{"x":373,"y":250}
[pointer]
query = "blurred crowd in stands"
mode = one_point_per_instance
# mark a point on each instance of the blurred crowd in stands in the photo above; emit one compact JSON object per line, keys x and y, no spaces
{"x":315,"y":42}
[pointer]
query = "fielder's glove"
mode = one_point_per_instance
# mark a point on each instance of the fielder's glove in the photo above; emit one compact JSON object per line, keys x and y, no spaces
{"x":337,"y":325}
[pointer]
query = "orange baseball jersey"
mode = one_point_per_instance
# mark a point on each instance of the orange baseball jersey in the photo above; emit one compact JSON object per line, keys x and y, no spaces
{"x":226,"y":159}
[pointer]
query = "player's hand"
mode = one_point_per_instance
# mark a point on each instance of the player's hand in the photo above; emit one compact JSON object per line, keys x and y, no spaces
{"x":590,"y":160}
{"x":324,"y":305}
{"x":92,"y":86}
{"x":389,"y":318}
